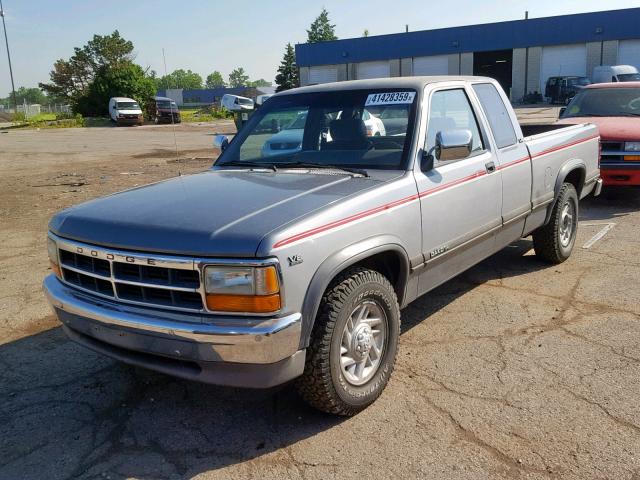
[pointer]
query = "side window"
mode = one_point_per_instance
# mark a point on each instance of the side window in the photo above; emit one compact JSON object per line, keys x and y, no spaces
{"x":451,"y":110}
{"x":497,"y":114}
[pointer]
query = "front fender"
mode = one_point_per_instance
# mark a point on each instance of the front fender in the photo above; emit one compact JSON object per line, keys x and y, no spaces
{"x":341,"y":260}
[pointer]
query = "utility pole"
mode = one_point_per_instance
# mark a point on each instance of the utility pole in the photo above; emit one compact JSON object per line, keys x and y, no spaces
{"x":6,"y":41}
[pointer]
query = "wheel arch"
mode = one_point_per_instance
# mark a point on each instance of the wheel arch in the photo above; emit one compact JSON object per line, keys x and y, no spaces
{"x":382,"y":253}
{"x":573,"y":171}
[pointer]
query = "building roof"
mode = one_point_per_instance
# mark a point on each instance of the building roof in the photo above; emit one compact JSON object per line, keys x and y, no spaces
{"x":560,"y":30}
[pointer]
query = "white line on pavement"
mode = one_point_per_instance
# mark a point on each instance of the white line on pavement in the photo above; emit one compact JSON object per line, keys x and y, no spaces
{"x":599,"y":235}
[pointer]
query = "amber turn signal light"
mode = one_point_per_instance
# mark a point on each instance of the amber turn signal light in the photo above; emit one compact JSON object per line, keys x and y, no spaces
{"x":244,"y":303}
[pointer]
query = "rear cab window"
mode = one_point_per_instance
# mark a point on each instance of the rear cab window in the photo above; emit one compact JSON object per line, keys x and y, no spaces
{"x":497,"y":114}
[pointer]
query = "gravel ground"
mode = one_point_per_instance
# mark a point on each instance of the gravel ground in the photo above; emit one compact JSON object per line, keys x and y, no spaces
{"x":512,"y":370}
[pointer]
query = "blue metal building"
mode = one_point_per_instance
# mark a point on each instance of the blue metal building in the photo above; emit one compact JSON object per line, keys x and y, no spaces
{"x":521,"y":54}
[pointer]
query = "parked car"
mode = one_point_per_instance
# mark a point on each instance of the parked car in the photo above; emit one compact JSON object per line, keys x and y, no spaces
{"x":236,"y":103}
{"x":289,"y":139}
{"x":125,"y":111}
{"x":615,"y":109}
{"x":264,"y":270}
{"x":163,"y":110}
{"x":563,"y":89}
{"x":615,"y":73}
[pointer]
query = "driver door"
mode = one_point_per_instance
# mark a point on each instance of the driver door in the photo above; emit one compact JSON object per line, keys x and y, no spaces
{"x":460,"y":199}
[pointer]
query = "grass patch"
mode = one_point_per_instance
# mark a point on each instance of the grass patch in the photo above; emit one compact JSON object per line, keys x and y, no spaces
{"x":51,"y":120}
{"x":205,"y":114}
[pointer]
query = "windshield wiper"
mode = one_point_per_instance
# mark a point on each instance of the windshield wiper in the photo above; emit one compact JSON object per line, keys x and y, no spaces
{"x":355,"y":171}
{"x":628,"y":114}
{"x":248,"y":164}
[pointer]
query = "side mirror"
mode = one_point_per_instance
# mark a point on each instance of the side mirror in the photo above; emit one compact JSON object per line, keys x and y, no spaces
{"x":221,"y":142}
{"x":453,"y":144}
{"x":561,"y":112}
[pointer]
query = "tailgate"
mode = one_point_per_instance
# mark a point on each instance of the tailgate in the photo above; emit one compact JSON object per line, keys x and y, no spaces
{"x":575,"y":145}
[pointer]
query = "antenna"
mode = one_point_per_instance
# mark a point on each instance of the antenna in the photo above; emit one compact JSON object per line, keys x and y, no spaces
{"x":173,"y":123}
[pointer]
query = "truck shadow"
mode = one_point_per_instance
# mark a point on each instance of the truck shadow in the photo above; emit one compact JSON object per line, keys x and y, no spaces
{"x":614,"y":202}
{"x":509,"y":262}
{"x":69,"y":413}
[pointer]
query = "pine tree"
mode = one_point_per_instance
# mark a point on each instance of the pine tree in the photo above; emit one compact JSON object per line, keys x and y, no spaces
{"x":287,"y":76}
{"x":321,"y":29}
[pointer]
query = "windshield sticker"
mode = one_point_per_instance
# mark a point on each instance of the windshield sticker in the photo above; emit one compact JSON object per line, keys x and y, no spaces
{"x":390,"y":98}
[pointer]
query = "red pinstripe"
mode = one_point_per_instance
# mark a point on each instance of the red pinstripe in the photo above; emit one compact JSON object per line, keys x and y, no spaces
{"x":411,"y":198}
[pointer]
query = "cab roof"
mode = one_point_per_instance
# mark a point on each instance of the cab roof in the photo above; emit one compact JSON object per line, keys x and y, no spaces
{"x":416,"y":83}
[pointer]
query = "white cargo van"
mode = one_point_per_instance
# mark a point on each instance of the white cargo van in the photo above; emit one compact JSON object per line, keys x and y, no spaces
{"x":615,"y":73}
{"x":236,"y":103}
{"x":125,"y":111}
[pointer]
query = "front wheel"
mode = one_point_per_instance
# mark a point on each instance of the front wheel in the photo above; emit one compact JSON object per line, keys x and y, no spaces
{"x":353,"y":343}
{"x":554,"y":241}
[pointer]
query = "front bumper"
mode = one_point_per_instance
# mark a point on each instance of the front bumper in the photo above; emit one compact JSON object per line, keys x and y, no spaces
{"x":620,"y":174}
{"x":236,"y":351}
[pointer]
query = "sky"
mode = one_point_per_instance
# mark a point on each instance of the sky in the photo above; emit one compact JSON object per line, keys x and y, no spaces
{"x":221,"y":35}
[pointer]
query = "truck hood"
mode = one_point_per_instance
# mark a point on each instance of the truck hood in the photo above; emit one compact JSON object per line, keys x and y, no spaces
{"x":215,"y":213}
{"x":611,"y":128}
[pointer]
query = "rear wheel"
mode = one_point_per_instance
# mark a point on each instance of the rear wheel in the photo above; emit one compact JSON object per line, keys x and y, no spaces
{"x":353,"y":343}
{"x":554,"y":241}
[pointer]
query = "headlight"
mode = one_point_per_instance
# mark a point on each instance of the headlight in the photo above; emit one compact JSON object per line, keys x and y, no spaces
{"x":242,"y":289}
{"x":632,"y":146}
{"x":52,"y":250}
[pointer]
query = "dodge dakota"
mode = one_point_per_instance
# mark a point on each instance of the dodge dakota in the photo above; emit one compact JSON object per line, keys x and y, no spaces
{"x":265,"y":269}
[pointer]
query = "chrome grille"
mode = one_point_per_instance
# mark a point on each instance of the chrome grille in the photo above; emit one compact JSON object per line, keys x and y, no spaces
{"x":166,"y":282}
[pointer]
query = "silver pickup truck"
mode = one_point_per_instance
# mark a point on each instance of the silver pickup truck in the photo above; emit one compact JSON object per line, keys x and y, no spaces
{"x":294,"y":264}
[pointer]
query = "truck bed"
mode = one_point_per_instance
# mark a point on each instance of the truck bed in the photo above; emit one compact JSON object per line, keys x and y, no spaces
{"x":550,"y":146}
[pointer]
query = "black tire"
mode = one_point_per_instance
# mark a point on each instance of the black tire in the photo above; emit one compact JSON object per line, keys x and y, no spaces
{"x":548,"y":240}
{"x":323,"y":384}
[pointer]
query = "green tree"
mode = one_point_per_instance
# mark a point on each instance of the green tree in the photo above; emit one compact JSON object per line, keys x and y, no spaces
{"x":365,"y":33}
{"x":181,"y":79}
{"x":28,"y":95}
{"x":71,"y":78}
{"x":215,"y":80}
{"x":238,"y":78}
{"x":321,"y":29}
{"x":287,"y":76}
{"x":261,"y":82}
{"x":123,"y":80}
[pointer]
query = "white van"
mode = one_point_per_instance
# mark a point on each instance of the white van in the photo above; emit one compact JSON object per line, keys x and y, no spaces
{"x":615,"y":73}
{"x":236,"y":103}
{"x":125,"y":111}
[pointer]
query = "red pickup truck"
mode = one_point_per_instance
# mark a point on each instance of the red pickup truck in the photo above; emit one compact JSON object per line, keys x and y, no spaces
{"x":615,"y":109}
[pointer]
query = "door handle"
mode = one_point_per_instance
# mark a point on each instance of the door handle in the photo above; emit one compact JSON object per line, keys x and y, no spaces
{"x":490,"y":166}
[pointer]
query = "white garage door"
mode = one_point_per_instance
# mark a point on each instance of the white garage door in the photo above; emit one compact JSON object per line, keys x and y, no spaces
{"x":374,"y":70}
{"x":563,"y":60}
{"x":435,"y":65}
{"x":629,"y":53}
{"x":323,"y":74}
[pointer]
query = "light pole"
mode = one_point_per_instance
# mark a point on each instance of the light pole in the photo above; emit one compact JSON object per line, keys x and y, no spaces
{"x":6,"y":41}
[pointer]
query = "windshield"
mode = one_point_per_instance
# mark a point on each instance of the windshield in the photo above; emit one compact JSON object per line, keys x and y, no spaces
{"x":579,"y":81}
{"x":605,"y":102}
{"x":338,"y":129}
{"x":166,"y":104}
{"x":128,"y":106}
{"x":629,"y":77}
